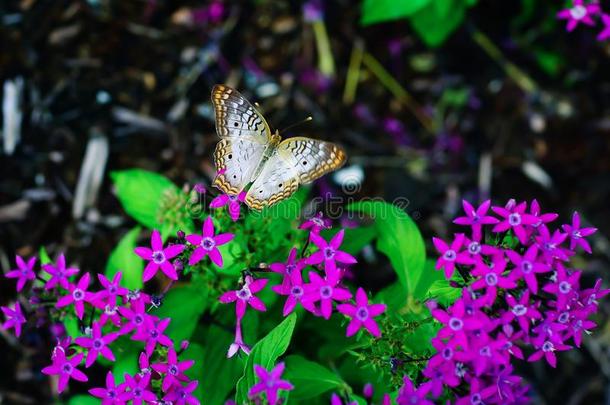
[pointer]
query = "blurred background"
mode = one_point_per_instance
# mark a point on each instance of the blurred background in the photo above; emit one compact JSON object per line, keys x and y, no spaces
{"x":434,"y":100}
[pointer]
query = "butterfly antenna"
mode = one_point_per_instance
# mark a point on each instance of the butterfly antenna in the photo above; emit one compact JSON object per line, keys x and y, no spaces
{"x":310,"y":118}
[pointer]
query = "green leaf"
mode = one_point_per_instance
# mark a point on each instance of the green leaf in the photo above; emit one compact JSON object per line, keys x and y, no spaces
{"x":71,"y":325}
{"x":141,"y":193}
{"x":84,"y":400}
{"x":44,"y":256}
{"x":398,"y":238}
{"x":429,"y":276}
{"x":184,"y":304}
{"x":123,"y":259}
{"x":197,"y":353}
{"x":310,"y":379}
{"x":435,"y":22}
{"x":376,"y":11}
{"x":355,"y":239}
{"x":126,"y":363}
{"x":550,"y":62}
{"x":265,"y":353}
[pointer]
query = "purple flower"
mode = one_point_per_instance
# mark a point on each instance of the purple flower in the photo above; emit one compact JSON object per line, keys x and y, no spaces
{"x":159,"y":257}
{"x":550,"y":246}
{"x":233,"y":202}
{"x":367,"y":390}
{"x":605,"y":32}
{"x":478,"y":393}
{"x":111,"y":395}
{"x":292,"y":265}
{"x":65,"y":368}
{"x":78,"y":294}
{"x":329,"y":252}
{"x":24,"y":271}
{"x":183,"y":395}
{"x":491,"y":279}
{"x":476,"y":218}
{"x":565,"y":287}
{"x":112,"y":289}
{"x":59,"y":273}
{"x":316,"y":223}
{"x":456,"y":323}
{"x":548,"y":349}
{"x":173,"y":369}
{"x":362,"y":314}
{"x":152,"y":333}
{"x":270,"y":382}
{"x":408,"y":394}
{"x":527,"y":266}
{"x":522,"y":310}
{"x":515,"y":218}
{"x":97,"y":344}
{"x":325,"y":291}
{"x":577,"y":234}
{"x":238,"y":343}
{"x":14,"y":318}
{"x":139,"y":389}
{"x":207,"y":244}
{"x":136,"y":316}
{"x":545,"y":218}
{"x":245,"y":296}
{"x":579,"y":13}
{"x":295,"y":290}
{"x":591,"y":296}
{"x":450,"y":254}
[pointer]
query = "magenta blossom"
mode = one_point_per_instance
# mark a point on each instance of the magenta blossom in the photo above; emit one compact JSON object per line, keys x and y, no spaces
{"x":139,"y":389}
{"x":295,"y":290}
{"x":14,"y":318}
{"x":316,"y":223}
{"x":136,"y":316}
{"x":173,"y":369}
{"x":514,"y":218}
{"x":491,"y":278}
{"x":451,"y":255}
{"x":152,"y":333}
{"x":97,"y":344}
{"x":456,"y":323}
{"x":476,"y":218}
{"x":245,"y":296}
{"x":183,"y":395}
{"x":527,"y":266}
{"x":238,"y":343}
{"x":159,"y":257}
{"x":362,"y":314}
{"x":207,"y":244}
{"x":59,"y":273}
{"x":292,"y":265}
{"x":78,"y":294}
{"x":605,"y":33}
{"x":65,"y":368}
{"x":112,"y":289}
{"x":24,"y":271}
{"x":565,"y":286}
{"x":270,"y":382}
{"x":548,"y":349}
{"x":579,"y":13}
{"x":233,"y":202}
{"x":111,"y":395}
{"x":522,"y":310}
{"x":329,"y":252}
{"x":325,"y":290}
{"x":408,"y":394}
{"x":577,"y":234}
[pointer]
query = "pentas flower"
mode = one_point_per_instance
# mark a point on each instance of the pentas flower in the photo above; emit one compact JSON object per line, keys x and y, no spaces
{"x":456,"y":323}
{"x":605,"y":33}
{"x":521,"y":310}
{"x":59,"y":273}
{"x":152,"y":333}
{"x":329,"y":252}
{"x":476,"y":218}
{"x":577,"y":234}
{"x":111,"y":395}
{"x":65,"y":368}
{"x":159,"y":257}
{"x":270,"y":382}
{"x":491,"y":279}
{"x":14,"y":318}
{"x":325,"y":291}
{"x":478,"y":393}
{"x":408,"y":394}
{"x":550,"y":245}
{"x":183,"y":395}
{"x":541,"y":218}
{"x":292,"y":265}
{"x":295,"y":290}
{"x":527,"y":266}
{"x":451,"y":255}
{"x":362,"y":314}
{"x":238,"y":344}
{"x":109,"y":313}
{"x":514,"y":218}
{"x":548,"y":349}
{"x":24,"y":271}
{"x":590,"y":297}
{"x":78,"y":294}
{"x":207,"y":244}
{"x":173,"y":369}
{"x":564,"y":286}
{"x":579,"y":13}
{"x":112,"y":289}
{"x":136,"y":316}
{"x":138,"y":389}
{"x":97,"y":344}
{"x":245,"y":296}
{"x":316,"y":223}
{"x":579,"y":324}
{"x":233,"y":202}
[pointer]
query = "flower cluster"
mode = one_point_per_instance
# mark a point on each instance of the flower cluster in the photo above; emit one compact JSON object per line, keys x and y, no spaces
{"x":519,"y":296}
{"x":585,"y":13}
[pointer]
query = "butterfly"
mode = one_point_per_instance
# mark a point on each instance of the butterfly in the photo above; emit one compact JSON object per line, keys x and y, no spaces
{"x":248,"y":152}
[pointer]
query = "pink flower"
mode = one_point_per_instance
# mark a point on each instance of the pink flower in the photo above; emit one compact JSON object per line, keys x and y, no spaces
{"x":65,"y":368}
{"x":605,"y":33}
{"x":183,"y":395}
{"x":577,"y":234}
{"x":408,"y":394}
{"x":522,"y":310}
{"x":548,"y":349}
{"x":207,"y":243}
{"x":24,"y":271}
{"x":550,"y":246}
{"x":545,"y":218}
{"x":451,"y":255}
{"x":173,"y":369}
{"x":476,"y":218}
{"x":245,"y":296}
{"x":238,"y":343}
{"x":478,"y":393}
{"x":295,"y":290}
{"x":329,"y":252}
{"x":325,"y":290}
{"x":111,"y":395}
{"x":456,"y":323}
{"x":527,"y":266}
{"x":316,"y":223}
{"x":97,"y":344}
{"x":14,"y":318}
{"x":579,"y":13}
{"x":78,"y":294}
{"x":159,"y":257}
{"x":292,"y":265}
{"x":515,"y":218}
{"x":112,"y":289}
{"x":139,"y":390}
{"x":59,"y":273}
{"x":136,"y":316}
{"x":362,"y":314}
{"x":233,"y":201}
{"x":565,"y":287}
{"x":491,"y":279}
{"x":270,"y":382}
{"x":152,"y":333}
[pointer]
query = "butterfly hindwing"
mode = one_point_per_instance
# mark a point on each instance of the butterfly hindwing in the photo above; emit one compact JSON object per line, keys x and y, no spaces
{"x":235,"y":161}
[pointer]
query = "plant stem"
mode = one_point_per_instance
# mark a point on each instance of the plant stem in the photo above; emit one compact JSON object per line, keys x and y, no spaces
{"x":326,"y":63}
{"x":353,"y":72}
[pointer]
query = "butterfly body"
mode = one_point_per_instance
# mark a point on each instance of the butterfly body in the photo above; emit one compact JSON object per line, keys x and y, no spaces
{"x":249,"y":154}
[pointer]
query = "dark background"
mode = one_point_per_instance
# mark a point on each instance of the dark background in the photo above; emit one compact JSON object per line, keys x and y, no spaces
{"x":122,"y":70}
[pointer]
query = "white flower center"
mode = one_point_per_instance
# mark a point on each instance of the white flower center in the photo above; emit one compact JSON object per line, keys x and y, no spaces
{"x":578,"y":12}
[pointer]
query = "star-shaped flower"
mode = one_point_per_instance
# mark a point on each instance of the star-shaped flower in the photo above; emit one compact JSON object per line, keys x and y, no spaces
{"x":111,"y":395}
{"x":325,"y":290}
{"x":329,"y":252}
{"x":78,"y":294}
{"x":577,"y":234}
{"x":579,"y":13}
{"x":65,"y":368}
{"x":476,"y":218}
{"x":97,"y":344}
{"x":207,"y":244}
{"x":14,"y":318}
{"x":605,"y":32}
{"x":362,"y":314}
{"x":59,"y":273}
{"x":173,"y":369}
{"x":245,"y":296}
{"x":159,"y":257}
{"x":270,"y":382}
{"x":24,"y":271}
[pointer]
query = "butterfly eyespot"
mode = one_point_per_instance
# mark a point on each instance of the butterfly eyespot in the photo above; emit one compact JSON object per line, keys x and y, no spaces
{"x":230,"y":156}
{"x":235,"y":124}
{"x":234,"y":176}
{"x":280,"y":185}
{"x":304,"y":162}
{"x":260,"y":191}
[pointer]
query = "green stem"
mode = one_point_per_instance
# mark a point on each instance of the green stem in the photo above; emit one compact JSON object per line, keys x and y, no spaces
{"x":353,"y":72}
{"x":326,"y":63}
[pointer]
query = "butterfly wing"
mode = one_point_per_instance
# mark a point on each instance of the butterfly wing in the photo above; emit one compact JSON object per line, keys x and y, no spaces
{"x":295,"y":161}
{"x":244,"y":136}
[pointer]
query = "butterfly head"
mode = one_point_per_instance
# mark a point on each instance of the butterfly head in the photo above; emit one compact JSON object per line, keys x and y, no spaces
{"x":276,"y":138}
